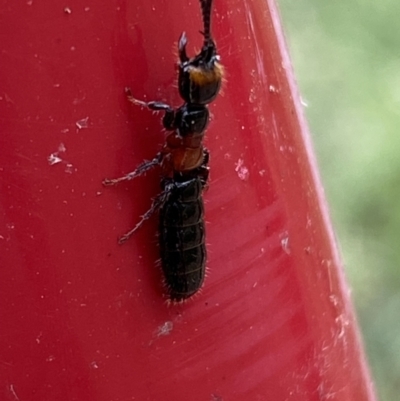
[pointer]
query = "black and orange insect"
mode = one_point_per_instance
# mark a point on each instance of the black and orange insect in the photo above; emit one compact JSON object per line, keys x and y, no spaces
{"x":184,"y":164}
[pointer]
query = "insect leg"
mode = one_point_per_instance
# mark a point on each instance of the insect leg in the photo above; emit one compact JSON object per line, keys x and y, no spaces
{"x":169,"y":117}
{"x":156,"y":106}
{"x":141,"y":169}
{"x":158,"y":201}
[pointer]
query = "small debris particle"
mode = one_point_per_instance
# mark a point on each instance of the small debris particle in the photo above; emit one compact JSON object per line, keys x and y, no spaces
{"x":252,"y":96}
{"x":69,"y":168}
{"x":54,"y":159}
{"x":273,"y":89}
{"x":83,"y":123}
{"x":285,"y":244}
{"x":242,"y":171}
{"x":165,"y":329}
{"x":38,"y":338}
{"x":303,"y":102}
{"x":67,"y":10}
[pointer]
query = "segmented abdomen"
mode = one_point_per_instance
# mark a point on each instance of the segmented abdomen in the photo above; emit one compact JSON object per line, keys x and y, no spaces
{"x":182,"y":239}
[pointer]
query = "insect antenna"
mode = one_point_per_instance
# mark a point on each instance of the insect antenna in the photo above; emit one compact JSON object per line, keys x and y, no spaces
{"x":206,"y":11}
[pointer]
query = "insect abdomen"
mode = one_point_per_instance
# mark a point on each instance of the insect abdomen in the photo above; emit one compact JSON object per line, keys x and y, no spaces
{"x":182,"y":239}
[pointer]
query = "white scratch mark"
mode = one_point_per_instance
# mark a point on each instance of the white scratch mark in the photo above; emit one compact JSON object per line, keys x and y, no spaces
{"x":13,"y":392}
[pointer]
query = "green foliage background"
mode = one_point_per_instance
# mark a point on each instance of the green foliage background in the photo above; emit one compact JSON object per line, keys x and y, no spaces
{"x":346,"y":57}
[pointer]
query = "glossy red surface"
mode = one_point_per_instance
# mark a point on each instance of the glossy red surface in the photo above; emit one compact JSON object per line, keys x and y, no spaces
{"x":85,"y":319}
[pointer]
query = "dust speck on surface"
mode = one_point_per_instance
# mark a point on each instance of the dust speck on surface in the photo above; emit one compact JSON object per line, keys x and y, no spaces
{"x":303,"y":102}
{"x":242,"y":171}
{"x":273,"y":89}
{"x":285,"y":243}
{"x":252,"y":96}
{"x":164,"y":329}
{"x":83,"y":123}
{"x":61,"y":147}
{"x":54,"y":159}
{"x":38,"y":338}
{"x":69,"y":168}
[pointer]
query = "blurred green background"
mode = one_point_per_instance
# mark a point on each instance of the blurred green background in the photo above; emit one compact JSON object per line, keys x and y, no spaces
{"x":346,"y":57}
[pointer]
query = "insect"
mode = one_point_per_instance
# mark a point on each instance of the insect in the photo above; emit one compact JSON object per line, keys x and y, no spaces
{"x":184,"y":164}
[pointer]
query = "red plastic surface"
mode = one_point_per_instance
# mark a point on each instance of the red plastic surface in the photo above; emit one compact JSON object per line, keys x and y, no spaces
{"x":85,"y":319}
